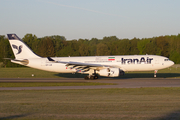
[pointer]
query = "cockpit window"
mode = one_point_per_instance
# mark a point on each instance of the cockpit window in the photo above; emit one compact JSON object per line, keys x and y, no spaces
{"x":166,"y":59}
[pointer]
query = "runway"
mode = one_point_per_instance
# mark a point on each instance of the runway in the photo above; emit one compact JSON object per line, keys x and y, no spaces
{"x":120,"y":83}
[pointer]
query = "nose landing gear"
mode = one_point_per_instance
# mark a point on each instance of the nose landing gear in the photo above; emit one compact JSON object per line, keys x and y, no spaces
{"x":155,"y":73}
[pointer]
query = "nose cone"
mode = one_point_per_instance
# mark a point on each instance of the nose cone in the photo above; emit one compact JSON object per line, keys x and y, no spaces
{"x":170,"y":63}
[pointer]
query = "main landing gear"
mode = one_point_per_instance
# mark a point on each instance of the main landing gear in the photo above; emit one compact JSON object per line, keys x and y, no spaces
{"x":92,"y":77}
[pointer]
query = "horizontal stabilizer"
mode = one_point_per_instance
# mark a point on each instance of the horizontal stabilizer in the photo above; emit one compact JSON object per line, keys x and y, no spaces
{"x":23,"y":62}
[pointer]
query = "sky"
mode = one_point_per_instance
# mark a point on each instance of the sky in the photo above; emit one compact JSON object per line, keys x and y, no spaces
{"x":87,"y":19}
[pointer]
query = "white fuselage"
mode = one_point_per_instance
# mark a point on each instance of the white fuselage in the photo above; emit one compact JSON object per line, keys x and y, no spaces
{"x":125,"y":62}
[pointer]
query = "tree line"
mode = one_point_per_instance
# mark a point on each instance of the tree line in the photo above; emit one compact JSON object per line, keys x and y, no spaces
{"x":51,"y":46}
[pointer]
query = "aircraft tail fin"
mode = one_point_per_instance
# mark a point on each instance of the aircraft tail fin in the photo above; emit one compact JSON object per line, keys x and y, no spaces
{"x":19,"y":48}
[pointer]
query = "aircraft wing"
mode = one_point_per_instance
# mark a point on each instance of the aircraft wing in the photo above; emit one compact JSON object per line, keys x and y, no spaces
{"x":82,"y":66}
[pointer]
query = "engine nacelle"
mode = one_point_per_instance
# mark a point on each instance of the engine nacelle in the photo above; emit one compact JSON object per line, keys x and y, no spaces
{"x":110,"y":72}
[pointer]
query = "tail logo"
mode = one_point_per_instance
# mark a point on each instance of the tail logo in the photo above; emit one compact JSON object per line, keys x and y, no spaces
{"x":18,"y":48}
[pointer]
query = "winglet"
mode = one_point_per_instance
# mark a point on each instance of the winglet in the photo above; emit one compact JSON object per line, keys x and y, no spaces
{"x":50,"y":59}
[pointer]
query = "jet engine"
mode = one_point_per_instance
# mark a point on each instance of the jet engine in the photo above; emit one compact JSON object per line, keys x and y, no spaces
{"x":110,"y":72}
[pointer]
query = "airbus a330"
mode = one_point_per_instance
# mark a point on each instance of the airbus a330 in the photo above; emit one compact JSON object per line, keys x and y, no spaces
{"x":109,"y":66}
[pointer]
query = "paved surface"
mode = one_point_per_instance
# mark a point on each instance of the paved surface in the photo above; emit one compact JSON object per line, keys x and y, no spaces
{"x":121,"y":83}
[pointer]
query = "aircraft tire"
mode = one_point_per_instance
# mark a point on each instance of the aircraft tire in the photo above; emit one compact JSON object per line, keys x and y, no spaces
{"x":86,"y":77}
{"x":95,"y":77}
{"x":92,"y":77}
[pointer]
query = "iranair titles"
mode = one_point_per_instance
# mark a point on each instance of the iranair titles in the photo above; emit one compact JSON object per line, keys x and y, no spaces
{"x":137,"y":61}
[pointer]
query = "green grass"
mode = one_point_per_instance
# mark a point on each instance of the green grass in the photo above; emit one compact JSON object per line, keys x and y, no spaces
{"x":1,"y":64}
{"x":173,"y":71}
{"x":36,"y":84}
{"x":116,"y":104}
{"x":25,"y":73}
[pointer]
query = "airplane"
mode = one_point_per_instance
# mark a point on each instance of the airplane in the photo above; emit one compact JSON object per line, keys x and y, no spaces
{"x":109,"y":66}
